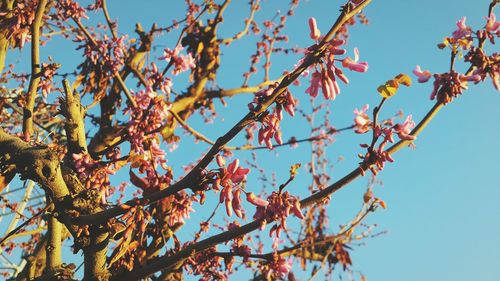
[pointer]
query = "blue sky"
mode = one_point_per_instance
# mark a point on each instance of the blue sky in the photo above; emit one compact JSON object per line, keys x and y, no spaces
{"x":443,"y":215}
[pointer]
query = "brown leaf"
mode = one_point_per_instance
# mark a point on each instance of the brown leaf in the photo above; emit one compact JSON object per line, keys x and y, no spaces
{"x":6,"y":177}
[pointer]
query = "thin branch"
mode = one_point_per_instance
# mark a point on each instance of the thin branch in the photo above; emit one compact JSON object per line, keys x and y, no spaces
{"x":21,"y":226}
{"x":193,"y":175}
{"x":205,"y":8}
{"x":108,"y":19}
{"x":191,"y":180}
{"x":235,"y":91}
{"x":253,"y":8}
{"x":116,"y":75}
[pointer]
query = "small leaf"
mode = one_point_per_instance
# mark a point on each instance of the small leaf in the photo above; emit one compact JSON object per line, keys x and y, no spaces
{"x":404,"y":79}
{"x":387,"y":91}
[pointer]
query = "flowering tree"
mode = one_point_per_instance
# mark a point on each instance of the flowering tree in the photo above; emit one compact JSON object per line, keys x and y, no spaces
{"x":95,"y":140}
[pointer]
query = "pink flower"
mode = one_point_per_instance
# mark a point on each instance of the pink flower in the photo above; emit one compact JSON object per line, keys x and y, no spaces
{"x":491,"y":24}
{"x":353,"y":64}
{"x":229,"y":178}
{"x":362,"y":121}
{"x":463,"y":30}
{"x":157,"y":80}
{"x":280,"y":267}
{"x":448,"y":86}
{"x":279,"y":207}
{"x":181,"y":63}
{"x":290,"y":103}
{"x":270,"y":128}
{"x":329,"y":86}
{"x":315,"y":32}
{"x":259,"y":202}
{"x":475,"y":78}
{"x":315,"y":84}
{"x":220,"y":160}
{"x":423,"y":76}
{"x":404,"y":130}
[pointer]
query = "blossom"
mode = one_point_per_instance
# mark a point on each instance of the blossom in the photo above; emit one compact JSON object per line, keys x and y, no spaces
{"x":176,"y":208}
{"x":93,"y":174}
{"x":448,"y":86}
{"x":404,"y":130}
{"x":353,"y":64}
{"x":485,"y":66}
{"x":315,"y":32}
{"x":259,"y":202}
{"x":280,"y":206}
{"x":462,"y":29}
{"x":270,"y":122}
{"x":157,"y":80}
{"x":423,"y":76}
{"x":17,"y":27}
{"x":180,"y":62}
{"x":491,"y":23}
{"x":326,"y":77}
{"x":270,"y":128}
{"x":47,"y":73}
{"x":279,"y":267}
{"x":362,"y":121}
{"x":229,"y":178}
{"x":315,"y":84}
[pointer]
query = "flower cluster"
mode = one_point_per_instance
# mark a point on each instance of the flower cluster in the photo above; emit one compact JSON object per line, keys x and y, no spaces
{"x":449,"y":85}
{"x":326,"y":77}
{"x":206,"y":264}
{"x":485,"y":65}
{"x":270,"y":123}
{"x":176,"y":208}
{"x":491,"y":29}
{"x":136,"y":220}
{"x":149,"y":115}
{"x":376,"y":157}
{"x":109,"y":53}
{"x":93,"y":174}
{"x":462,"y":30}
{"x":68,"y":9}
{"x":48,"y":72}
{"x":277,"y":268}
{"x":281,"y":205}
{"x":97,"y":5}
{"x":128,"y":254}
{"x":16,"y":24}
{"x":180,"y":62}
{"x":157,"y":80}
{"x":230,"y":178}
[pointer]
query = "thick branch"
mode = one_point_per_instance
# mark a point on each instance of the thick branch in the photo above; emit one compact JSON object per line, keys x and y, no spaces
{"x":35,"y":70}
{"x":53,"y":247}
{"x":74,"y":123}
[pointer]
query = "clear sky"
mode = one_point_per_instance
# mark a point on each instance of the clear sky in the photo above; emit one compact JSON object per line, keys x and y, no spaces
{"x":443,"y":216}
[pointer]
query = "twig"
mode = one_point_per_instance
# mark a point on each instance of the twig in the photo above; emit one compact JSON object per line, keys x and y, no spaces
{"x":116,"y":75}
{"x":253,"y":8}
{"x":108,"y":19}
{"x":24,"y":224}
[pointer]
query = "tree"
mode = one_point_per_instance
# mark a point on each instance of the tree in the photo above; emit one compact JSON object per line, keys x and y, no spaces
{"x":94,"y":139}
